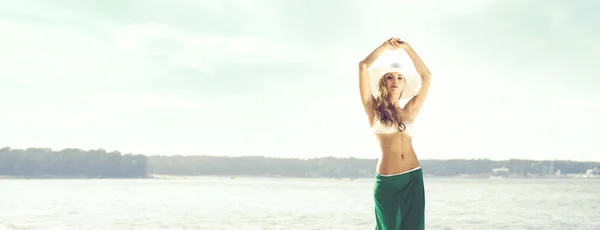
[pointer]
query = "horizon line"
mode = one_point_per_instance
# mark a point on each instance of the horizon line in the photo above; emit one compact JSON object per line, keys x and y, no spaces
{"x":295,"y":158}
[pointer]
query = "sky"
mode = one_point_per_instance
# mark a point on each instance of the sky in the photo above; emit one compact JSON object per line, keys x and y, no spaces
{"x":510,"y":79}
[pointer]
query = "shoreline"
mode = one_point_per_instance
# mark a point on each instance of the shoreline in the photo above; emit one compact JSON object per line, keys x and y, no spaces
{"x":8,"y":177}
{"x":232,"y":177}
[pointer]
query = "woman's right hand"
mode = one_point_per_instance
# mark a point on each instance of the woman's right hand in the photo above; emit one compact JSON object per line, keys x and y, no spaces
{"x":394,"y":43}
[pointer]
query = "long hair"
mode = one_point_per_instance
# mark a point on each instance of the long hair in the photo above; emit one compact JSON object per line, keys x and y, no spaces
{"x":385,"y":111}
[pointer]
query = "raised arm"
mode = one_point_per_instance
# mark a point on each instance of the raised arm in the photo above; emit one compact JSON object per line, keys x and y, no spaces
{"x":415,"y":104}
{"x":364,"y":83}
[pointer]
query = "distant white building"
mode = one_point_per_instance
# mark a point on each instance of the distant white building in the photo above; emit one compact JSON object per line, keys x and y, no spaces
{"x":501,"y":171}
{"x":592,"y":172}
{"x":557,"y":173}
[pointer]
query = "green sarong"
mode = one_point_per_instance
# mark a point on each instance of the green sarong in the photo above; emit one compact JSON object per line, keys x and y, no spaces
{"x":400,"y":201}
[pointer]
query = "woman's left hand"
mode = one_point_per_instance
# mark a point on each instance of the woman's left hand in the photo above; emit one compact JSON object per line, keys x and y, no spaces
{"x":398,"y":43}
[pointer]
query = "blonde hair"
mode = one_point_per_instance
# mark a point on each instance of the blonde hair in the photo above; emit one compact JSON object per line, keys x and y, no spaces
{"x":385,"y":112}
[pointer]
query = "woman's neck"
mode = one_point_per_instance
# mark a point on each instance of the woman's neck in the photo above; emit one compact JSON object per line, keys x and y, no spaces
{"x":394,"y":103}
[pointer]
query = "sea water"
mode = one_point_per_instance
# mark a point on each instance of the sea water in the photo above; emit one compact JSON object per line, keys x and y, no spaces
{"x":290,"y":203}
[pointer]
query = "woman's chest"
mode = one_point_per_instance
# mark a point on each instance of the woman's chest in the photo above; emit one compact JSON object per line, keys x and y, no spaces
{"x":403,"y":116}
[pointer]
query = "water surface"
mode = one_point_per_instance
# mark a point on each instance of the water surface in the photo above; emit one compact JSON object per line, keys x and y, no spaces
{"x":289,"y":203}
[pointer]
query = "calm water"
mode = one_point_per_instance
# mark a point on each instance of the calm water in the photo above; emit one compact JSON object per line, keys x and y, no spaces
{"x":271,"y":203}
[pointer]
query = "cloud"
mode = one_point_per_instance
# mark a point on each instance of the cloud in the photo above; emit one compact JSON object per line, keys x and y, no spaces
{"x":526,"y":54}
{"x":44,"y":57}
{"x":209,"y":59}
{"x":540,"y":31}
{"x":149,"y":37}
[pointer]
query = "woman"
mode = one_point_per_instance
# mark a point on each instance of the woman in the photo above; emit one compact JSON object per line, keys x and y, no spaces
{"x":399,"y":193}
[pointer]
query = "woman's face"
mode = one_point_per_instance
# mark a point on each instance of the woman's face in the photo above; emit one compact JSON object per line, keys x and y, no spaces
{"x":394,"y":82}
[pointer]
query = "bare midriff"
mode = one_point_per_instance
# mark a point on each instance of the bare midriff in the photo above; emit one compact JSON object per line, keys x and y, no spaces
{"x":397,"y":153}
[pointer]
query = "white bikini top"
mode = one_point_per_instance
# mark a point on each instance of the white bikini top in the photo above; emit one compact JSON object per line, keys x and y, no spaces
{"x":380,"y":128}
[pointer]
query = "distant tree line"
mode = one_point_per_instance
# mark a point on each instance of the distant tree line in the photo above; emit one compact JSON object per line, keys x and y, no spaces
{"x":517,"y":166}
{"x":347,"y":167}
{"x":262,"y":166}
{"x":43,"y":162}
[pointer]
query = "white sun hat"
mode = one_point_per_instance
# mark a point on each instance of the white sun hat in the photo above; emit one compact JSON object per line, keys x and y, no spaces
{"x":412,"y":86}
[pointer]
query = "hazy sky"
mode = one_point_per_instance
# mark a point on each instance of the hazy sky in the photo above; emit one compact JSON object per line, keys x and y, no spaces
{"x":511,"y":79}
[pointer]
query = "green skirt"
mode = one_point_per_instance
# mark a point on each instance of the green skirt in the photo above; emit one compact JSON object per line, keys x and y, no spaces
{"x":400,"y":201}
